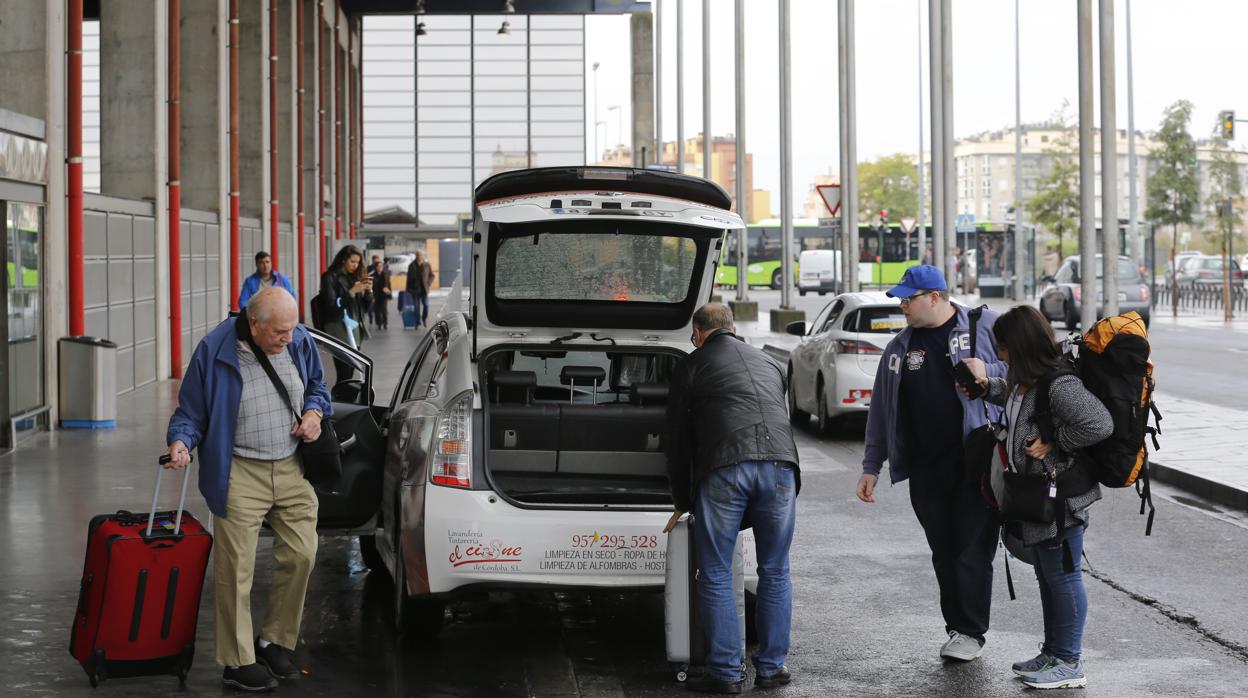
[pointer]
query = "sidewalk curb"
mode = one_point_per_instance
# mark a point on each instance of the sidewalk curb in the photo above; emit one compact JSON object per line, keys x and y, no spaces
{"x":1212,"y":490}
{"x":1218,"y":492}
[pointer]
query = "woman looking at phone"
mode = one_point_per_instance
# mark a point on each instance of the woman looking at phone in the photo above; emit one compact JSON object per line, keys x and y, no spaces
{"x":345,"y":292}
{"x":1042,"y":445}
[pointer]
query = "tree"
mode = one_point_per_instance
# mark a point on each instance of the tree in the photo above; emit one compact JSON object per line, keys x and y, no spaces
{"x":1172,"y":188}
{"x":1224,"y":187}
{"x":888,"y":184}
{"x":1055,"y":207}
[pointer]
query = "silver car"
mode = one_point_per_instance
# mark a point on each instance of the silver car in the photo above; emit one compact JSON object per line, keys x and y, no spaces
{"x":1061,"y":296}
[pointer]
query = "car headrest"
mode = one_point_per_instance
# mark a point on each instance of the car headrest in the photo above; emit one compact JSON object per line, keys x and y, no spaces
{"x":641,"y":394}
{"x":514,"y":386}
{"x":582,"y":374}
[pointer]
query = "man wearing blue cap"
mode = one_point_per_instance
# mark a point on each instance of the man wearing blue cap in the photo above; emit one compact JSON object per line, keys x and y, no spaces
{"x":917,"y":422}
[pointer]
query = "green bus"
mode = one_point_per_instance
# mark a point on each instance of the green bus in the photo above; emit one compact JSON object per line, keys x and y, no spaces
{"x":883,"y":258}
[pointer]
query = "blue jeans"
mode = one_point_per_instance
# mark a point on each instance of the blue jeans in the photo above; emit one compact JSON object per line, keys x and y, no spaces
{"x":422,"y":299}
{"x":1063,"y":597}
{"x":764,"y":494}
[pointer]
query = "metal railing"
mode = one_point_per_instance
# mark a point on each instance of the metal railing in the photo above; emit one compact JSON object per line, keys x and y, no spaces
{"x":1199,"y":298}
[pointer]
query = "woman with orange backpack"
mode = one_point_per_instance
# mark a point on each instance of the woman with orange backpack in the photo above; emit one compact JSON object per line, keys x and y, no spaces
{"x":1043,"y":493}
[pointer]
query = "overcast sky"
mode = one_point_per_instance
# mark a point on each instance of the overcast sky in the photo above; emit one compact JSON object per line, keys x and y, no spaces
{"x":1192,"y":50}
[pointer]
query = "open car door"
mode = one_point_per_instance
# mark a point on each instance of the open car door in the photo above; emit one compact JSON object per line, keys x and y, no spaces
{"x":353,"y":499}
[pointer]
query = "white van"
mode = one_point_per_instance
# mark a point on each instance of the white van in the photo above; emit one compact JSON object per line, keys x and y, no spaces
{"x":818,"y":270}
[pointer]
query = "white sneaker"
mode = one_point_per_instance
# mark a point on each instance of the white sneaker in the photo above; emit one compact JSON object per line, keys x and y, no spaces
{"x":961,"y":647}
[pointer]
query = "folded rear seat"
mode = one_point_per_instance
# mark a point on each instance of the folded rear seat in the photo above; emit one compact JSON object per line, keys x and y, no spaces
{"x":619,"y":440}
{"x":523,"y":437}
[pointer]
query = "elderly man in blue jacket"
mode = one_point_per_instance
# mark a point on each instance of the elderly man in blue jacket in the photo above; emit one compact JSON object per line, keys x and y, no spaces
{"x":918,"y":422}
{"x":247,"y":437}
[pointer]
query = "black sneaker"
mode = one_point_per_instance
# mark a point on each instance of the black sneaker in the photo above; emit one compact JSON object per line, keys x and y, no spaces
{"x":278,"y":660}
{"x":710,"y":684}
{"x":253,"y":678}
{"x":780,"y":678}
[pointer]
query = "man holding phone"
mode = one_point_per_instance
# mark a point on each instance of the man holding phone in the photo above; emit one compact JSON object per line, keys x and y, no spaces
{"x":918,"y":421}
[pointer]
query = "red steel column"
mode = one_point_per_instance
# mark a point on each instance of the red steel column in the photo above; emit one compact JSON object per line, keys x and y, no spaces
{"x":338,"y":159}
{"x":273,"y":184}
{"x":322,"y":56}
{"x":351,"y":213}
{"x":73,"y":131}
{"x":175,"y":188}
{"x":299,"y":236}
{"x":235,"y":247}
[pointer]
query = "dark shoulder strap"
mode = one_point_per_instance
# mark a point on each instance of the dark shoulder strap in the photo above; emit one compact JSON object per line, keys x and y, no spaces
{"x":244,"y":331}
{"x":974,"y":315}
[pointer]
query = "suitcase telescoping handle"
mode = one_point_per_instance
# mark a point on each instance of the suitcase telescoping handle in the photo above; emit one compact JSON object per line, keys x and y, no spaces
{"x":186,"y":478}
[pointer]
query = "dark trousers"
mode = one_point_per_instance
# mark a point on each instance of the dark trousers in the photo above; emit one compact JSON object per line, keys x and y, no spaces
{"x":422,"y":300}
{"x":381,"y":312}
{"x":962,"y":532}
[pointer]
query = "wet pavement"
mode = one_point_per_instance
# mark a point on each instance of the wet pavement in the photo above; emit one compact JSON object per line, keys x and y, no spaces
{"x":1167,"y":612}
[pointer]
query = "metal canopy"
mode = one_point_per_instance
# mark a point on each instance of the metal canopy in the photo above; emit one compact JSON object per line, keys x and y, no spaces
{"x":485,"y":7}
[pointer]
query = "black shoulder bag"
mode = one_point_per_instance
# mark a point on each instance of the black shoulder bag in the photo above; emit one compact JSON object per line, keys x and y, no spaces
{"x":322,"y":459}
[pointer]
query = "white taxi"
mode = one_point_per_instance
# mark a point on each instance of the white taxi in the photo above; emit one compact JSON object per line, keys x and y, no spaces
{"x":523,"y":446}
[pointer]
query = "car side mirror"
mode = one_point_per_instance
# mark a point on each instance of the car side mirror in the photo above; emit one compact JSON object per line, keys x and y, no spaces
{"x":797,"y":328}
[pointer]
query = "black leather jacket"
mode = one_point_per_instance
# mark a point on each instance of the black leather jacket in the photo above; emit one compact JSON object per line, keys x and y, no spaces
{"x":726,"y":405}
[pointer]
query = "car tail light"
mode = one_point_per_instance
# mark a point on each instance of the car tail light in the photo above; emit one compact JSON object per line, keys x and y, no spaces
{"x":452,"y":446}
{"x":856,"y":395}
{"x":1078,"y":293}
{"x":852,"y":346}
{"x":1144,"y":293}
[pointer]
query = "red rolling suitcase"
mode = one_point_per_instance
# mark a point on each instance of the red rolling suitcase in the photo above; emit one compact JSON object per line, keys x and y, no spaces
{"x":139,"y":600}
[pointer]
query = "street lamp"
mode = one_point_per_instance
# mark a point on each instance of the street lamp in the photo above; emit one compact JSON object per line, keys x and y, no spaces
{"x":597,"y":153}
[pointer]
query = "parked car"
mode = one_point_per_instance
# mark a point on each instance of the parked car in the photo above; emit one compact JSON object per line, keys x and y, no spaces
{"x":832,"y":371}
{"x":1204,"y":271}
{"x":1061,"y":295}
{"x":818,"y":270}
{"x":397,"y":264}
{"x":523,"y":446}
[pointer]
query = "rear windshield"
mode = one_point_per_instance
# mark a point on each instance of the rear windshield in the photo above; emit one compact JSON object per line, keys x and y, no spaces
{"x":876,"y":320}
{"x":1126,"y":270}
{"x":593,"y":266}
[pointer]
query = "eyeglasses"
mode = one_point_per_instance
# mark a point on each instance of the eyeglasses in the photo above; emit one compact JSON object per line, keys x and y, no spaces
{"x":907,"y":301}
{"x":693,"y":338}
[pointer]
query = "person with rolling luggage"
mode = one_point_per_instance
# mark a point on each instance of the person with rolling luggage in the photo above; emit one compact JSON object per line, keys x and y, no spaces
{"x":138,"y":602}
{"x":231,"y":411}
{"x":741,"y":470}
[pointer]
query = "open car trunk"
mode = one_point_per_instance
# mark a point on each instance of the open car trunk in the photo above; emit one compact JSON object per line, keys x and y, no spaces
{"x":577,"y":426}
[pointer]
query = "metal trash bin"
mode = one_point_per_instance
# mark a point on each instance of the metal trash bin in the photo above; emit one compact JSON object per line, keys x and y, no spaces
{"x":88,"y":382}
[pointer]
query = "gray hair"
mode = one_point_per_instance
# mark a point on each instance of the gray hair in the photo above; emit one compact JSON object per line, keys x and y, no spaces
{"x":269,"y":303}
{"x":713,"y":316}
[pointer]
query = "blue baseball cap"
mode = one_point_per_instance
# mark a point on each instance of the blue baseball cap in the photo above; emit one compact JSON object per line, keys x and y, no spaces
{"x":923,"y":277}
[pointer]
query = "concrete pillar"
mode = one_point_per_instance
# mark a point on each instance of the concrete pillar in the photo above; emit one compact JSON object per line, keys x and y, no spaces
{"x":55,"y":239}
{"x":642,"y":26}
{"x":284,"y":189}
{"x":253,"y":101}
{"x":202,"y":125}
{"x":133,"y":127}
{"x":24,"y":53}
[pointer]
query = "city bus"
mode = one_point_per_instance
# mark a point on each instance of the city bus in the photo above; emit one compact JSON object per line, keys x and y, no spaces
{"x":883,"y":258}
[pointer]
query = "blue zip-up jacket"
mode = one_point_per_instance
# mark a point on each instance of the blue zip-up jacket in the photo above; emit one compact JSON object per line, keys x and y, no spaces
{"x":252,"y":286}
{"x":884,"y":440}
{"x":208,"y":400}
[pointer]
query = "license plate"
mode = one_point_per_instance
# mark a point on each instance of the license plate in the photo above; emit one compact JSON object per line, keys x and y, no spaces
{"x":1100,"y":296}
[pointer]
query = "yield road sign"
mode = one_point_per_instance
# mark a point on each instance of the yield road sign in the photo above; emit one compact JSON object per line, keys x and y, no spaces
{"x":831,"y":194}
{"x":907,"y":225}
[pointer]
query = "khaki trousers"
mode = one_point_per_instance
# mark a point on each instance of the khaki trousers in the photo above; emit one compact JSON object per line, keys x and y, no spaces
{"x":278,"y":491}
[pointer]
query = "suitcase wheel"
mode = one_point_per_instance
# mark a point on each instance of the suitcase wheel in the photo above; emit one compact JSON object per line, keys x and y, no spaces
{"x":682,"y":673}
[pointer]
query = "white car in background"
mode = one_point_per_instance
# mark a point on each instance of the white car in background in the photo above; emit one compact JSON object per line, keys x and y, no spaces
{"x":832,"y":371}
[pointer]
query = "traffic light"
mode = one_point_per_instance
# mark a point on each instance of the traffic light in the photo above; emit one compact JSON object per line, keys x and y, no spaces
{"x":1226,"y":124}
